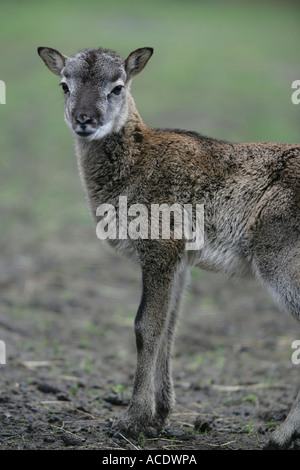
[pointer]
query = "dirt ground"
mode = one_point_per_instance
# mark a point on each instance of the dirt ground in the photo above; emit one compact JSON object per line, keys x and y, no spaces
{"x":67,"y":311}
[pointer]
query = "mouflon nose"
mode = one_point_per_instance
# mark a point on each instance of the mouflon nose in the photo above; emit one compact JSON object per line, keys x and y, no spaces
{"x":83,"y":120}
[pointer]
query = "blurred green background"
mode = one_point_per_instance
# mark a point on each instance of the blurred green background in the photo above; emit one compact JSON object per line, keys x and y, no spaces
{"x":221,"y":68}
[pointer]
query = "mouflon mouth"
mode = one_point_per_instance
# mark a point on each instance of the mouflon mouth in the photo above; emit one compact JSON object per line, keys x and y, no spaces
{"x":94,"y":133}
{"x":84,"y":134}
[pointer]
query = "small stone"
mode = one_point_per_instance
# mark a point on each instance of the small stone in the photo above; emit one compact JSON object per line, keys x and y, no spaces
{"x":202,"y":425}
{"x":71,"y":440}
{"x":117,"y":400}
{"x":49,"y":439}
{"x":47,"y":388}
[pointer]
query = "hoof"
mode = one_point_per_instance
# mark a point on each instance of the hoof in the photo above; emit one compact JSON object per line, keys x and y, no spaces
{"x":281,"y":439}
{"x":128,"y":428}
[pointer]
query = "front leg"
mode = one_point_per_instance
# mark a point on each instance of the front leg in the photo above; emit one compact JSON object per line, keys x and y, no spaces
{"x":164,"y":392}
{"x":150,"y":328}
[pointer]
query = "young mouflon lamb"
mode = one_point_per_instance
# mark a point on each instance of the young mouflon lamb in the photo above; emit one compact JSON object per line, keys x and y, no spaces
{"x":251,"y":198}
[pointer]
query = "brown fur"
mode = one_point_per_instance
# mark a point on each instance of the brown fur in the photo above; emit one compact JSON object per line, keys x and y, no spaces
{"x":251,"y":196}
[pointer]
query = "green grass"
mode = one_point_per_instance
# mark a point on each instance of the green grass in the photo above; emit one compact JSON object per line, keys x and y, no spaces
{"x":222,"y":68}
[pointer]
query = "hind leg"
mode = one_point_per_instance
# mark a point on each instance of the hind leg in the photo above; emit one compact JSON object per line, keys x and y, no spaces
{"x":280,"y":271}
{"x":288,"y":430}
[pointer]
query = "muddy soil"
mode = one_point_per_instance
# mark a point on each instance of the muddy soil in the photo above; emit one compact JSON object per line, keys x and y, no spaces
{"x":67,"y":311}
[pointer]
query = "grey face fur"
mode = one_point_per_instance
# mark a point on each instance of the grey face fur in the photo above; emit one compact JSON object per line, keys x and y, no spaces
{"x":96,"y":85}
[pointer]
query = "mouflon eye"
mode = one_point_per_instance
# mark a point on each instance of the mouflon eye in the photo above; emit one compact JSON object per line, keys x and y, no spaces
{"x":64,"y":87}
{"x":117,"y":90}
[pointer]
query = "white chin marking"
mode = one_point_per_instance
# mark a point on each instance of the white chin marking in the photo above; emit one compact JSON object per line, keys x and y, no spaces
{"x":103,"y":131}
{"x":98,"y":133}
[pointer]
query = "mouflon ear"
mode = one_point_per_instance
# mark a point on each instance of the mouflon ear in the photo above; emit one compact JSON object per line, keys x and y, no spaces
{"x":136,"y":61}
{"x":54,"y":60}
